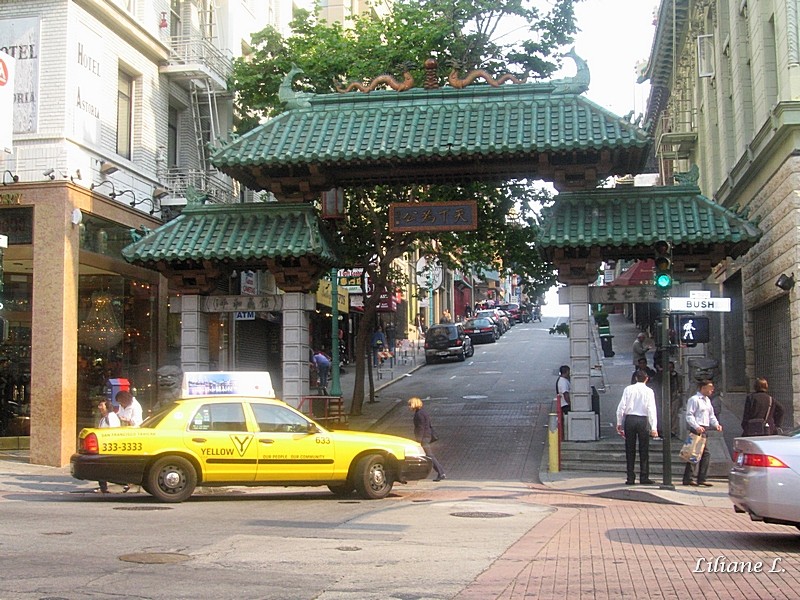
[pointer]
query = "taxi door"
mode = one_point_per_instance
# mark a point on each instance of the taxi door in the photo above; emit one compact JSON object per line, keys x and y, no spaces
{"x":286,"y":449}
{"x":217,"y":435}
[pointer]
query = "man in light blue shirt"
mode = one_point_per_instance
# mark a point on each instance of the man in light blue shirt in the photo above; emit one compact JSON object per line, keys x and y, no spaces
{"x":700,"y":417}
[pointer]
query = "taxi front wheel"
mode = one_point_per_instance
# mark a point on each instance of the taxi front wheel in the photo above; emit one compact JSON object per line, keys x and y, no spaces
{"x":171,"y":479}
{"x":372,"y":478}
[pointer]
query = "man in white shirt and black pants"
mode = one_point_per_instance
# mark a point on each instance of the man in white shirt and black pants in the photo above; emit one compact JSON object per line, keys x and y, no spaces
{"x":636,"y":419}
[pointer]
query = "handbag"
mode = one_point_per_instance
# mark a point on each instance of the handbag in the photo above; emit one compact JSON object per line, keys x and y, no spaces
{"x":693,"y":447}
{"x":434,"y":437}
{"x":759,"y":426}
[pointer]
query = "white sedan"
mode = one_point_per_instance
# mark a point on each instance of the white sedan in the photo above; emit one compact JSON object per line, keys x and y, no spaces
{"x":765,"y":479}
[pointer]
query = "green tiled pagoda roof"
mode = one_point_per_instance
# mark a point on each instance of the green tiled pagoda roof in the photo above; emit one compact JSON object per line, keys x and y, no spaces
{"x":234,"y":233}
{"x":429,"y":135}
{"x":626,"y":218}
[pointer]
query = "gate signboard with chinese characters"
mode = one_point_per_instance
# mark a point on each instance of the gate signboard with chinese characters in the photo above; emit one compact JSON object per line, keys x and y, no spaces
{"x":610,"y":294}
{"x":433,"y":216}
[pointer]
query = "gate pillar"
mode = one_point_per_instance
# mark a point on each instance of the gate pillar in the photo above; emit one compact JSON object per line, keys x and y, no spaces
{"x":582,"y":423}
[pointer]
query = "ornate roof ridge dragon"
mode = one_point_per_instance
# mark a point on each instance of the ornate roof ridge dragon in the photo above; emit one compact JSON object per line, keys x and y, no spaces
{"x":454,"y":80}
{"x":385,"y":79}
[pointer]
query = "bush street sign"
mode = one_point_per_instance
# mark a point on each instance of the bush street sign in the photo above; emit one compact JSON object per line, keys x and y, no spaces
{"x":703,"y":304}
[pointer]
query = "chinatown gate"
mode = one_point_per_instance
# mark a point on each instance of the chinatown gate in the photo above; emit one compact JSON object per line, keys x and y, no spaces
{"x":441,"y":132}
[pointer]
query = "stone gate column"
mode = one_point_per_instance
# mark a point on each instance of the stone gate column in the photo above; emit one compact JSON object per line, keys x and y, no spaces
{"x":297,"y":307}
{"x":582,"y":423}
{"x":194,"y":334}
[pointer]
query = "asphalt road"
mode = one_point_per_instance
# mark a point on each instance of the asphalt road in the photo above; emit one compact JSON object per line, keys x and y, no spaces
{"x":490,"y":412}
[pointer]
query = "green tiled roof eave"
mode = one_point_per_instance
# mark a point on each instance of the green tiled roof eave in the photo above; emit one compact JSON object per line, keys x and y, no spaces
{"x":235,"y":233}
{"x":627,"y":217}
{"x":392,"y":125}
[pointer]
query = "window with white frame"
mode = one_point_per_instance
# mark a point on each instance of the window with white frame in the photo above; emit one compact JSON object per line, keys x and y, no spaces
{"x":705,"y":55}
{"x":124,"y":114}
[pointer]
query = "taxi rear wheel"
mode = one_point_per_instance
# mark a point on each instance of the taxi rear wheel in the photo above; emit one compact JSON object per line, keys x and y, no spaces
{"x":171,"y":479}
{"x":372,"y":480}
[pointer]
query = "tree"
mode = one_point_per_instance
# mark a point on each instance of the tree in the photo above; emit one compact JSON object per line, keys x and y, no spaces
{"x":461,"y":33}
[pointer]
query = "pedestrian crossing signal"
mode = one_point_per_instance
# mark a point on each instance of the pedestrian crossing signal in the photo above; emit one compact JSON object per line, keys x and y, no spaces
{"x":694,"y":330}
{"x":663,"y":266}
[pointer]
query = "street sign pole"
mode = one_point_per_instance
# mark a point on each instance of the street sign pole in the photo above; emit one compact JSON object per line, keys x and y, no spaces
{"x":666,"y":400}
{"x":336,"y":386}
{"x":430,"y":299}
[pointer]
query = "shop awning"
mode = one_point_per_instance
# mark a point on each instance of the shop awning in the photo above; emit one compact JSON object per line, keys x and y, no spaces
{"x":639,"y":273}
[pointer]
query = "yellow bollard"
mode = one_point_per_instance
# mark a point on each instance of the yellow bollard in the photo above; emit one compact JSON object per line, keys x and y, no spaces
{"x":554,"y":443}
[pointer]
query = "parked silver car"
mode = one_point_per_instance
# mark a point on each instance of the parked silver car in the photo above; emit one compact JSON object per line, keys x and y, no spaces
{"x":765,"y":479}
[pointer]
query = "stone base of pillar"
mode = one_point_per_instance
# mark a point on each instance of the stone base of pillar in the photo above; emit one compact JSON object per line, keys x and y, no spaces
{"x":583,"y":427}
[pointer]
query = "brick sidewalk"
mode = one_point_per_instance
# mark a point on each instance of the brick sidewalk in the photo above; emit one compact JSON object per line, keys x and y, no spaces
{"x":601,"y":548}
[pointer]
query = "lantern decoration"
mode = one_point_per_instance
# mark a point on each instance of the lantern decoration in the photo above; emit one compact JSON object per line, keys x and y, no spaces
{"x":100,"y":330}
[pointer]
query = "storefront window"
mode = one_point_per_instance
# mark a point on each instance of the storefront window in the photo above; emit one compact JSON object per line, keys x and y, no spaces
{"x":116,"y":340}
{"x":103,"y":237}
{"x":15,"y":356}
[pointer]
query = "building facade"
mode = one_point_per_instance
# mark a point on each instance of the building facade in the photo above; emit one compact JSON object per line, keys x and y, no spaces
{"x":115,"y":105}
{"x":725,"y":78}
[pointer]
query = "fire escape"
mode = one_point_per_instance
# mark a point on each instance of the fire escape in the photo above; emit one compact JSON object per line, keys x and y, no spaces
{"x":198,"y":65}
{"x":676,"y":135}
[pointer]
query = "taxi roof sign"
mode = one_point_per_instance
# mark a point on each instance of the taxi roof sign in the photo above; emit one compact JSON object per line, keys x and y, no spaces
{"x":227,"y":383}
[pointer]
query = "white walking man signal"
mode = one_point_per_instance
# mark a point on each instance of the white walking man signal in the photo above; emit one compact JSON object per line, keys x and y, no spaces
{"x":688,"y":331}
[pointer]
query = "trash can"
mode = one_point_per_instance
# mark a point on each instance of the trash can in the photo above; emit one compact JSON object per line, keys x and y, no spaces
{"x":607,"y":343}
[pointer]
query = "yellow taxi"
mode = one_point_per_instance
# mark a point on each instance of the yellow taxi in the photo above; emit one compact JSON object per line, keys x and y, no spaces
{"x":227,"y":429}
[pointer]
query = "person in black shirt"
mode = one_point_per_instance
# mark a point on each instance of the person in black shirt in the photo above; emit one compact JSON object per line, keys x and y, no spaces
{"x":424,"y":434}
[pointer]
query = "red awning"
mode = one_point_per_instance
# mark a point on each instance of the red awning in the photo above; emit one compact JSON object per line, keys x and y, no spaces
{"x":640,"y":273}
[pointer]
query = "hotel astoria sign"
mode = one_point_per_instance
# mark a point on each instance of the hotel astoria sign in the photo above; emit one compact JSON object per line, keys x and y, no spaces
{"x":19,"y":38}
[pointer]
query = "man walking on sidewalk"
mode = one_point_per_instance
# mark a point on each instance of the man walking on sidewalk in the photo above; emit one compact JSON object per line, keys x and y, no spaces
{"x":699,"y":418}
{"x":636,"y":419}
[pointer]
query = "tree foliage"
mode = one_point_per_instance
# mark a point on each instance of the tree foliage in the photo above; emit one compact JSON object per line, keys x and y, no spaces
{"x":496,"y":35}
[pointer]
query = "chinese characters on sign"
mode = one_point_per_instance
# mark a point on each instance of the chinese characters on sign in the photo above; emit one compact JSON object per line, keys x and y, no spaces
{"x":609,"y":294}
{"x":433,"y":216}
{"x":267,"y":303}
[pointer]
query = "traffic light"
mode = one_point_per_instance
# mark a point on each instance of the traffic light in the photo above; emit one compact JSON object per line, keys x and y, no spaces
{"x":663,"y":266}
